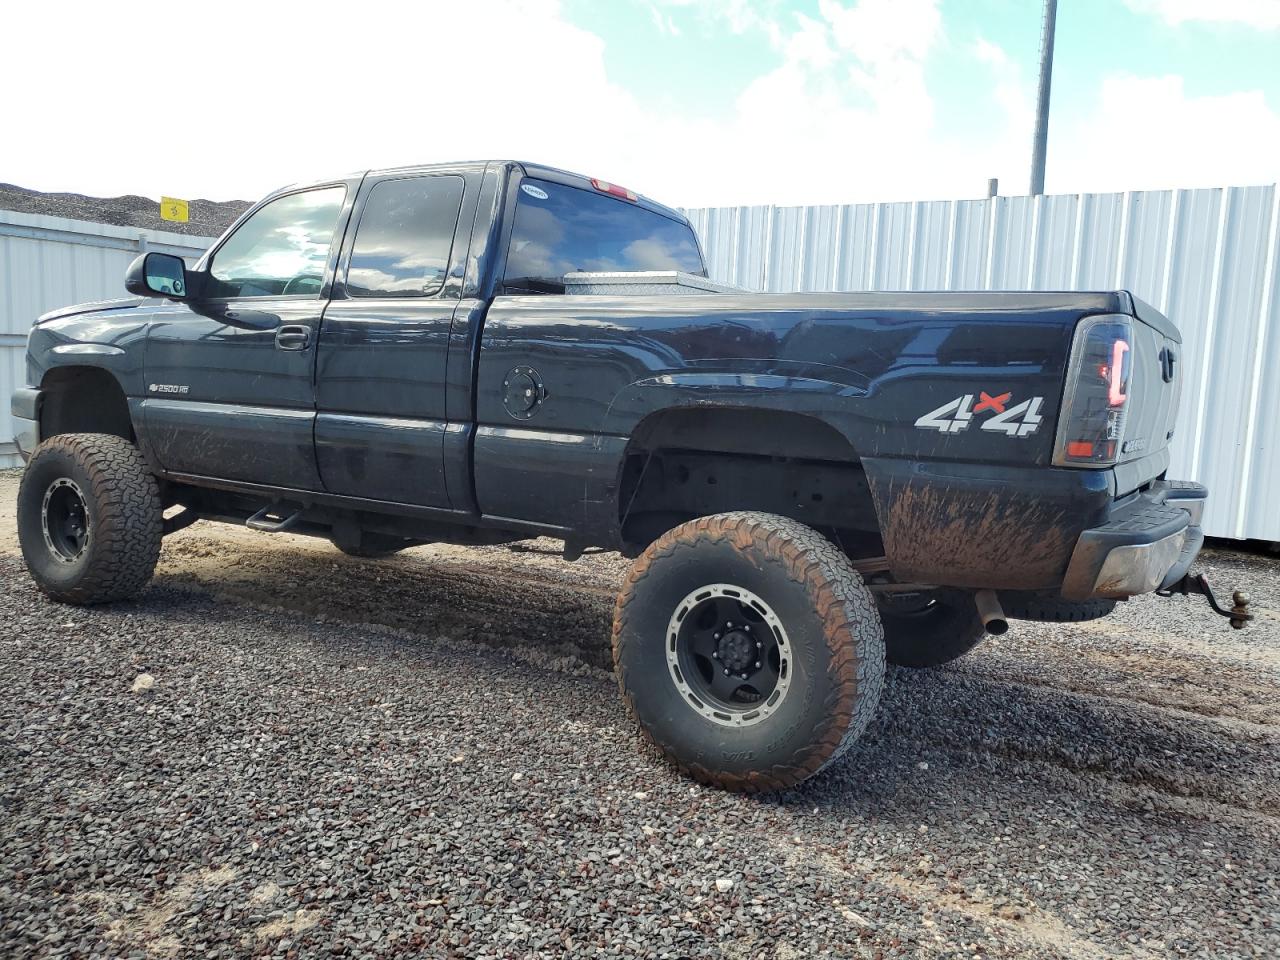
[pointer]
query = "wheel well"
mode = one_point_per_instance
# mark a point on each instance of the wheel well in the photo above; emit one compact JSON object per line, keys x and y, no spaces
{"x":83,"y":400}
{"x":695,"y":461}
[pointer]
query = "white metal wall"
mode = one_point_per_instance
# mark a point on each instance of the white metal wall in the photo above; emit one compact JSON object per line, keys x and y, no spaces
{"x":1206,"y":258}
{"x":48,"y":262}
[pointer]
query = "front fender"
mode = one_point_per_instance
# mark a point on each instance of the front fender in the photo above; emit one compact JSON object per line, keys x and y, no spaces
{"x":24,"y":408}
{"x":110,"y":340}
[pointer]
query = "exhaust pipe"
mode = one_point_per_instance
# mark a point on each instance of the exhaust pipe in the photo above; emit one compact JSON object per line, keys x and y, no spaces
{"x":991,"y":612}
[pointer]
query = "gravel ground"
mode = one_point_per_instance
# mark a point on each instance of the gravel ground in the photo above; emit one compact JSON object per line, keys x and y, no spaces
{"x":278,"y":750}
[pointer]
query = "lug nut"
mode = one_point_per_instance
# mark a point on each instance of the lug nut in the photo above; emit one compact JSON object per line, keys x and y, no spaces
{"x":742,"y":676}
{"x":729,"y":625}
{"x":759,"y":645}
{"x":726,"y":671}
{"x":757,"y":664}
{"x":746,"y":627}
{"x":715,"y":654}
{"x":715,"y":636}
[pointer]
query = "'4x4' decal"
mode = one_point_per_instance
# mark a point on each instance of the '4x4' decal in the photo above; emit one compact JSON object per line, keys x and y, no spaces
{"x":1020,"y":420}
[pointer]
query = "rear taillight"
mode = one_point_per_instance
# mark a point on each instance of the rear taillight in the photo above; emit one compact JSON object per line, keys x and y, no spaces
{"x":1091,"y":426}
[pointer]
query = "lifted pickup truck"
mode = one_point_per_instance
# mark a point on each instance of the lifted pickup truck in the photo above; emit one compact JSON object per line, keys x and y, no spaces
{"x":481,"y":353}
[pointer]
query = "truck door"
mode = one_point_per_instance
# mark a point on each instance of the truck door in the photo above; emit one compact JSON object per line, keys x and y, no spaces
{"x":230,"y":390}
{"x":380,"y":378}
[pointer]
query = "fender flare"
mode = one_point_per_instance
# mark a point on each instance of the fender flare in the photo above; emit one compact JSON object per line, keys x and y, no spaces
{"x":806,"y":396}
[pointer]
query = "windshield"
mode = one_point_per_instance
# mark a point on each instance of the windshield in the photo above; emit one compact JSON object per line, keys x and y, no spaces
{"x":560,"y":229}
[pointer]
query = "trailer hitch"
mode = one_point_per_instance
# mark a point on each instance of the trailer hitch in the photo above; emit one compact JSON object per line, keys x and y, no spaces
{"x":1199,"y":583}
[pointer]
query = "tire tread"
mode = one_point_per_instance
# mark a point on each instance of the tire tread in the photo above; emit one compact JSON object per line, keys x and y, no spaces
{"x":128,"y":519}
{"x":844,"y":605}
{"x":1045,"y":608}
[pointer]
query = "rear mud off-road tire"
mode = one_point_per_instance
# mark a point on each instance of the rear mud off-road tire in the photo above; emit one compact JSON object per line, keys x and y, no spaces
{"x":928,"y":630}
{"x":1048,"y":608}
{"x":748,"y":649}
{"x":373,"y":546}
{"x":89,"y":518}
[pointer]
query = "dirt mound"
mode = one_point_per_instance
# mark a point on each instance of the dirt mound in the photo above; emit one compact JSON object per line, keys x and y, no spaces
{"x":208,"y":218}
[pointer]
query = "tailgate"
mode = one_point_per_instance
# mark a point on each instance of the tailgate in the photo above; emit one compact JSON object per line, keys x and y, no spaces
{"x":1154,"y":391}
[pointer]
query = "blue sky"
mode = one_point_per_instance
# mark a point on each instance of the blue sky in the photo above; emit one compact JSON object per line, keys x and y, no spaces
{"x":697,"y":58}
{"x":705,"y":66}
{"x":695,"y":102}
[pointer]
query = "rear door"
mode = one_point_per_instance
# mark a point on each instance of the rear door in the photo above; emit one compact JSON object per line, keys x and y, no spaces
{"x":230,"y":377}
{"x":383,"y":348}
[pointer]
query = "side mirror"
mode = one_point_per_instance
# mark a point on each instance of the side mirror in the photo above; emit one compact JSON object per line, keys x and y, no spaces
{"x":157,"y":274}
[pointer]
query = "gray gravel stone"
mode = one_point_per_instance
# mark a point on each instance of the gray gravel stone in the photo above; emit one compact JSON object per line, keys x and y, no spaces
{"x":441,"y":767}
{"x":206,"y":218}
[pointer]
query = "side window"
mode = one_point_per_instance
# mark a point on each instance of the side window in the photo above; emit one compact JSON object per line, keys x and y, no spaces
{"x":404,"y":238}
{"x":281,"y":249}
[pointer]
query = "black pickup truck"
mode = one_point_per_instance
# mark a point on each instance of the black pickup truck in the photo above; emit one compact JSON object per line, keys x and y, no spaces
{"x":481,"y":353}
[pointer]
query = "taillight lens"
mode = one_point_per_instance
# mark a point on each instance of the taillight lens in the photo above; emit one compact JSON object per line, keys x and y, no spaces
{"x":1091,"y":427}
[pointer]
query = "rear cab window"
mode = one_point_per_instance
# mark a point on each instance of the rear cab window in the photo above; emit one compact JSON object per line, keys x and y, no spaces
{"x":404,"y":238}
{"x":560,"y":229}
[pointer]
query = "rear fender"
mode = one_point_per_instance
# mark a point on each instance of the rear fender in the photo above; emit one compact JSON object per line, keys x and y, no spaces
{"x":720,"y":390}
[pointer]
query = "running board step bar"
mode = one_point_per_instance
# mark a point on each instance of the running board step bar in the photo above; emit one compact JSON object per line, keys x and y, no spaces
{"x":271,"y":520}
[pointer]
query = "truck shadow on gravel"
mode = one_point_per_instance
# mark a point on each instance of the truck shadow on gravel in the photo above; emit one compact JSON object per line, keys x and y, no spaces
{"x":969,"y":712}
{"x":967,"y":722}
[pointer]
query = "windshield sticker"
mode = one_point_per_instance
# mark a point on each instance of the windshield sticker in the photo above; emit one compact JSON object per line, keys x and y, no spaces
{"x":536,"y":192}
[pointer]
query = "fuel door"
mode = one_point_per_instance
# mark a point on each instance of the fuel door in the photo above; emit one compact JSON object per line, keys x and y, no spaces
{"x":523,"y":392}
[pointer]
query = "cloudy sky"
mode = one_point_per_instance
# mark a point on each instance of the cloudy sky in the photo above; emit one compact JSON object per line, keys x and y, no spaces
{"x":693,"y":102}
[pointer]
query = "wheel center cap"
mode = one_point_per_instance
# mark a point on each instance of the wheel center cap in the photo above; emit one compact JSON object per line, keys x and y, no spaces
{"x":737,"y":651}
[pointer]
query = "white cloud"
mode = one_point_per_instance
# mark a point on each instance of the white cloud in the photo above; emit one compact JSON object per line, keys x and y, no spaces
{"x":1147,"y":133}
{"x":738,"y":15}
{"x":210,"y":106}
{"x":663,"y":21}
{"x":882,"y":31}
{"x":1260,"y":14}
{"x":235,"y":111}
{"x":810,"y":44}
{"x":1011,"y":91}
{"x":234,"y":102}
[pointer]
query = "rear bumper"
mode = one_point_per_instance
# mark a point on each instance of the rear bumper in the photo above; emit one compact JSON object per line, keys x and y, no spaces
{"x":1147,"y":544}
{"x":25,"y":409}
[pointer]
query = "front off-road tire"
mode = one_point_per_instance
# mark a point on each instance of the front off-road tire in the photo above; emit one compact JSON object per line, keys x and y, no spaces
{"x":785,"y":609}
{"x":930,"y":629}
{"x":89,"y":518}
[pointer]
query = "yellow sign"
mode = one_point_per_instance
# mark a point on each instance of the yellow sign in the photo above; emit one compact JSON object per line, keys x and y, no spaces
{"x":173,"y":209}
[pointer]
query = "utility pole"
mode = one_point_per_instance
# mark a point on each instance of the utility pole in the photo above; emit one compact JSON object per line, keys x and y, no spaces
{"x":1041,"y":143}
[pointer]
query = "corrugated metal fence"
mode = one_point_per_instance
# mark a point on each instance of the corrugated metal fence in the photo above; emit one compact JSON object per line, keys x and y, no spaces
{"x":1206,"y":258}
{"x":48,"y":262}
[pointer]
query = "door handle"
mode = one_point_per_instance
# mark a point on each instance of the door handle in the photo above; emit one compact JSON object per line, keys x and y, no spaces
{"x":293,"y":337}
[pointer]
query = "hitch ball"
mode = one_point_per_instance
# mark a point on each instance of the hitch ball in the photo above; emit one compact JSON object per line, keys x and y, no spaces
{"x":1240,"y":612}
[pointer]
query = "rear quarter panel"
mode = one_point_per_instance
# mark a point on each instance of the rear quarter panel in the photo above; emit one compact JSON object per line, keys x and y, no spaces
{"x":869,"y":365}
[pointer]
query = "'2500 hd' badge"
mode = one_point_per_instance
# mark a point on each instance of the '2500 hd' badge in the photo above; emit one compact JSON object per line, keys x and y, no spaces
{"x":1021,"y":420}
